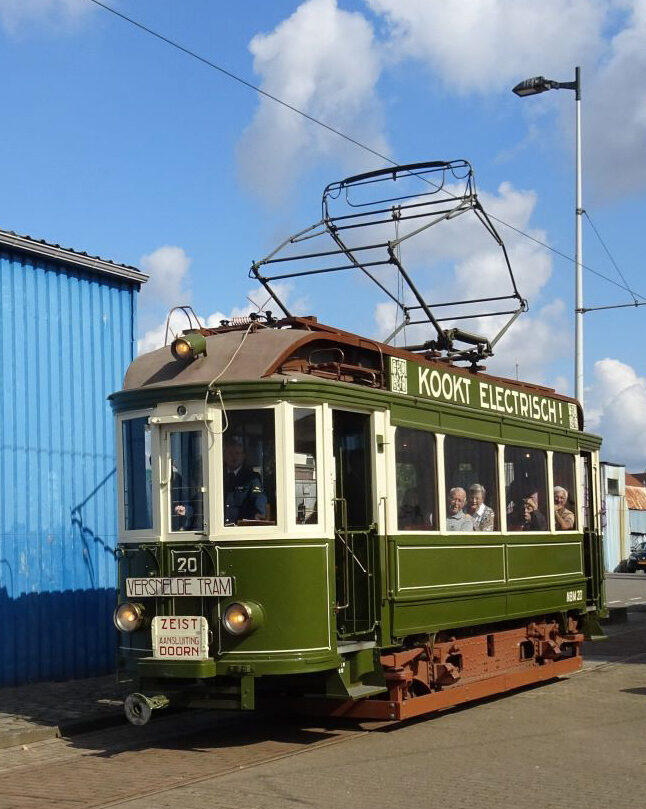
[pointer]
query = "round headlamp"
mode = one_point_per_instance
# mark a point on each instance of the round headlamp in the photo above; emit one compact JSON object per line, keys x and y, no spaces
{"x":190,"y":345}
{"x":242,"y":617}
{"x":128,"y":617}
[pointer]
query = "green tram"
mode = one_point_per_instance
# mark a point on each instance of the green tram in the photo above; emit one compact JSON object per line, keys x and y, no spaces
{"x":312,"y":515}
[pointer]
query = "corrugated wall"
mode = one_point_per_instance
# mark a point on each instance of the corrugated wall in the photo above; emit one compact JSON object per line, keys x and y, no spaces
{"x":66,"y":339}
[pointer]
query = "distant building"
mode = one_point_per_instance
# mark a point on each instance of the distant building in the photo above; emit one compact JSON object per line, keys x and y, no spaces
{"x":616,"y":531}
{"x":636,"y":501}
{"x":67,"y":335}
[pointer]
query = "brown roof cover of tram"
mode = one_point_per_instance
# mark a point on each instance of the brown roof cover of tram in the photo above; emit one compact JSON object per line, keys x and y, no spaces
{"x":259,"y":350}
{"x":236,"y":354}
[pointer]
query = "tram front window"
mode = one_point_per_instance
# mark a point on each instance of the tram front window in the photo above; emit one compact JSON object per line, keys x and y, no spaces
{"x":187,"y":481}
{"x":249,"y":468}
{"x":137,"y":480}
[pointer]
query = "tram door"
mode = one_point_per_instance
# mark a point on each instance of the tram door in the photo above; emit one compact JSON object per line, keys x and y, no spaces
{"x":592,"y":535}
{"x":354,"y":531}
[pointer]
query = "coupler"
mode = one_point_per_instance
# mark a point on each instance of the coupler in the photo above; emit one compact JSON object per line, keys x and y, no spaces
{"x":138,"y":708}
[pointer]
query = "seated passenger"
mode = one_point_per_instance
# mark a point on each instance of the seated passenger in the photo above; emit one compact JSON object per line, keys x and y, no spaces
{"x":482,"y":516}
{"x":410,"y":512}
{"x":564,"y":517}
{"x":244,"y":498}
{"x":532,"y":519}
{"x":456,"y":519}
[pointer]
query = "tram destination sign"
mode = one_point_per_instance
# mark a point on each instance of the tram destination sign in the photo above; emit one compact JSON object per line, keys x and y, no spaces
{"x":178,"y":586}
{"x":479,"y":394}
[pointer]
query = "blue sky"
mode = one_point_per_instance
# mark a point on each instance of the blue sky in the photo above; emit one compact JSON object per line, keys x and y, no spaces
{"x":119,"y":145}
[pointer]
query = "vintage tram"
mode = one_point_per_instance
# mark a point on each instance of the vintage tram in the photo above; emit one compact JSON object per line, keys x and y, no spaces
{"x":357,"y":528}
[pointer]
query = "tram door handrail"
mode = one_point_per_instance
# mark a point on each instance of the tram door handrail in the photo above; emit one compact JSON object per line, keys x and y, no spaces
{"x":356,"y":611}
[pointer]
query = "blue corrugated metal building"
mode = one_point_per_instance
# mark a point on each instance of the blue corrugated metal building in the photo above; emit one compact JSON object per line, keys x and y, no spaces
{"x":67,"y":335}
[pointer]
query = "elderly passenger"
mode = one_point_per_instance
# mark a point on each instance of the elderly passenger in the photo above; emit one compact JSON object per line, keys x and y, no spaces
{"x":456,"y":519}
{"x":483,"y":517}
{"x":564,"y":517}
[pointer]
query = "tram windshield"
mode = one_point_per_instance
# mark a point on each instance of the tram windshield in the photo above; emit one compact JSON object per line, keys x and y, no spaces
{"x":137,"y":478}
{"x":249,"y":468}
{"x":187,"y":481}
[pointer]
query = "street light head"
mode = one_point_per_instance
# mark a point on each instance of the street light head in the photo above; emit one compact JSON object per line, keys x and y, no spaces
{"x":533,"y":86}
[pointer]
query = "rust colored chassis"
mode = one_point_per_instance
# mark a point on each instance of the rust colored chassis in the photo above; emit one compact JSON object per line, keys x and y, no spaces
{"x":433,"y":677}
{"x":456,"y":695}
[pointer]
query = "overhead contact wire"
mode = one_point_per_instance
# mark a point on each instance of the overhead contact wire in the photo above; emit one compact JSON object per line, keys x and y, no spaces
{"x":329,"y":128}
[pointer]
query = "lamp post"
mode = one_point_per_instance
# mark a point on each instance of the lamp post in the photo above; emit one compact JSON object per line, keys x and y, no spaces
{"x":530,"y":87}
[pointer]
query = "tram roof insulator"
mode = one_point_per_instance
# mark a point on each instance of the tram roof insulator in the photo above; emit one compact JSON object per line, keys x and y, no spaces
{"x":367,"y":221}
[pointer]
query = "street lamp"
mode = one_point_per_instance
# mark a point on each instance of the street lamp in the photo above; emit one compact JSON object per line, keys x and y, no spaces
{"x":530,"y":87}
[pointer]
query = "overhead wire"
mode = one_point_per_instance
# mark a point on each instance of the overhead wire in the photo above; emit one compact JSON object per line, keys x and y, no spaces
{"x":609,"y":254}
{"x":230,"y":74}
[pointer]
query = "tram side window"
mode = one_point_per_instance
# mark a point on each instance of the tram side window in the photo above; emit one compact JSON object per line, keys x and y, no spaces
{"x":187,"y":481}
{"x":564,"y":491}
{"x":305,"y":475}
{"x":526,"y":489}
{"x":416,"y":480}
{"x":471,"y":484}
{"x":137,"y":475}
{"x":249,"y":472}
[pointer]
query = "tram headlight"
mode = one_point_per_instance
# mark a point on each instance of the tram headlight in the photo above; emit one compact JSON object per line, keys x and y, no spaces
{"x":190,"y":345}
{"x":242,"y":617}
{"x":128,"y":617}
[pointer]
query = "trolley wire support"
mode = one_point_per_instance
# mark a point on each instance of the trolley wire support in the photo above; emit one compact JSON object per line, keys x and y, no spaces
{"x":366,"y":225}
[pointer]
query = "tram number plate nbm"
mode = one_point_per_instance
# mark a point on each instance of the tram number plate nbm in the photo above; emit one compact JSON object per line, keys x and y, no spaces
{"x":573,"y":595}
{"x":180,"y":637}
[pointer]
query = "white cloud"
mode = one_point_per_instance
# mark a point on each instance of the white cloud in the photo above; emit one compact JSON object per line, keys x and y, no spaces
{"x":617,"y":410}
{"x":167,"y":267}
{"x":14,"y":14}
{"x":614,"y":109}
{"x":459,"y":259}
{"x":485,"y":45}
{"x":324,"y":61}
{"x":257,"y":300}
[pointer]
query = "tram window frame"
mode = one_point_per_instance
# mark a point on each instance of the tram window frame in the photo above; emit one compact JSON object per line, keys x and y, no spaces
{"x":251,"y":528}
{"x":313,"y":520}
{"x":197,"y":527}
{"x":122,"y":474}
{"x":543,"y":503}
{"x":489,"y":482}
{"x":432,"y":506}
{"x":571,"y":486}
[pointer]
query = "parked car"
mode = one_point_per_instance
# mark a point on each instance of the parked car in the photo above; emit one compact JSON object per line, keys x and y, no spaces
{"x":637,"y":558}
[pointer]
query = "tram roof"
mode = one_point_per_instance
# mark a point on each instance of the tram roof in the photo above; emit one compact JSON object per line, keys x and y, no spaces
{"x":236,"y":354}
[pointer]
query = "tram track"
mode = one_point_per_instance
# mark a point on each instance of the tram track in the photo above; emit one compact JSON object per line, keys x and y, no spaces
{"x":113,"y":768}
{"x":117,"y":766}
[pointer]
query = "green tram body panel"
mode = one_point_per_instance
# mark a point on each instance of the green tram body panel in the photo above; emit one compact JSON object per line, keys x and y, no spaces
{"x":421,"y":583}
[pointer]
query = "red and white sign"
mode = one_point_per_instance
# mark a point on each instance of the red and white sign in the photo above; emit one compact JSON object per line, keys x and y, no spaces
{"x":180,"y":637}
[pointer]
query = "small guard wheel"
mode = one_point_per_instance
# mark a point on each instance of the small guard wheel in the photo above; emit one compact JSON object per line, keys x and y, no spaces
{"x":137,"y":709}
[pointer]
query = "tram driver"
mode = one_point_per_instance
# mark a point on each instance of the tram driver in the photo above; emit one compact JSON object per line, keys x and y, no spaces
{"x":456,"y":518}
{"x":244,"y":498}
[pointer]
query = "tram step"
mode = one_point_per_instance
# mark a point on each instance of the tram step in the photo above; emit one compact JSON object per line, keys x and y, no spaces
{"x":359,"y":691}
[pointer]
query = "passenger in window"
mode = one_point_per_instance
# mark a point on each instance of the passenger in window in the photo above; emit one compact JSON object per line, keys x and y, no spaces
{"x":532,"y":518}
{"x":482,"y":515}
{"x":456,"y":519}
{"x":564,"y":517}
{"x":244,"y":498}
{"x":410,"y":512}
{"x":182,"y":512}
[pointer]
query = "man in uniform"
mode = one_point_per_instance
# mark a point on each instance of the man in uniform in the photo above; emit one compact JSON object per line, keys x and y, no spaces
{"x":244,"y":498}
